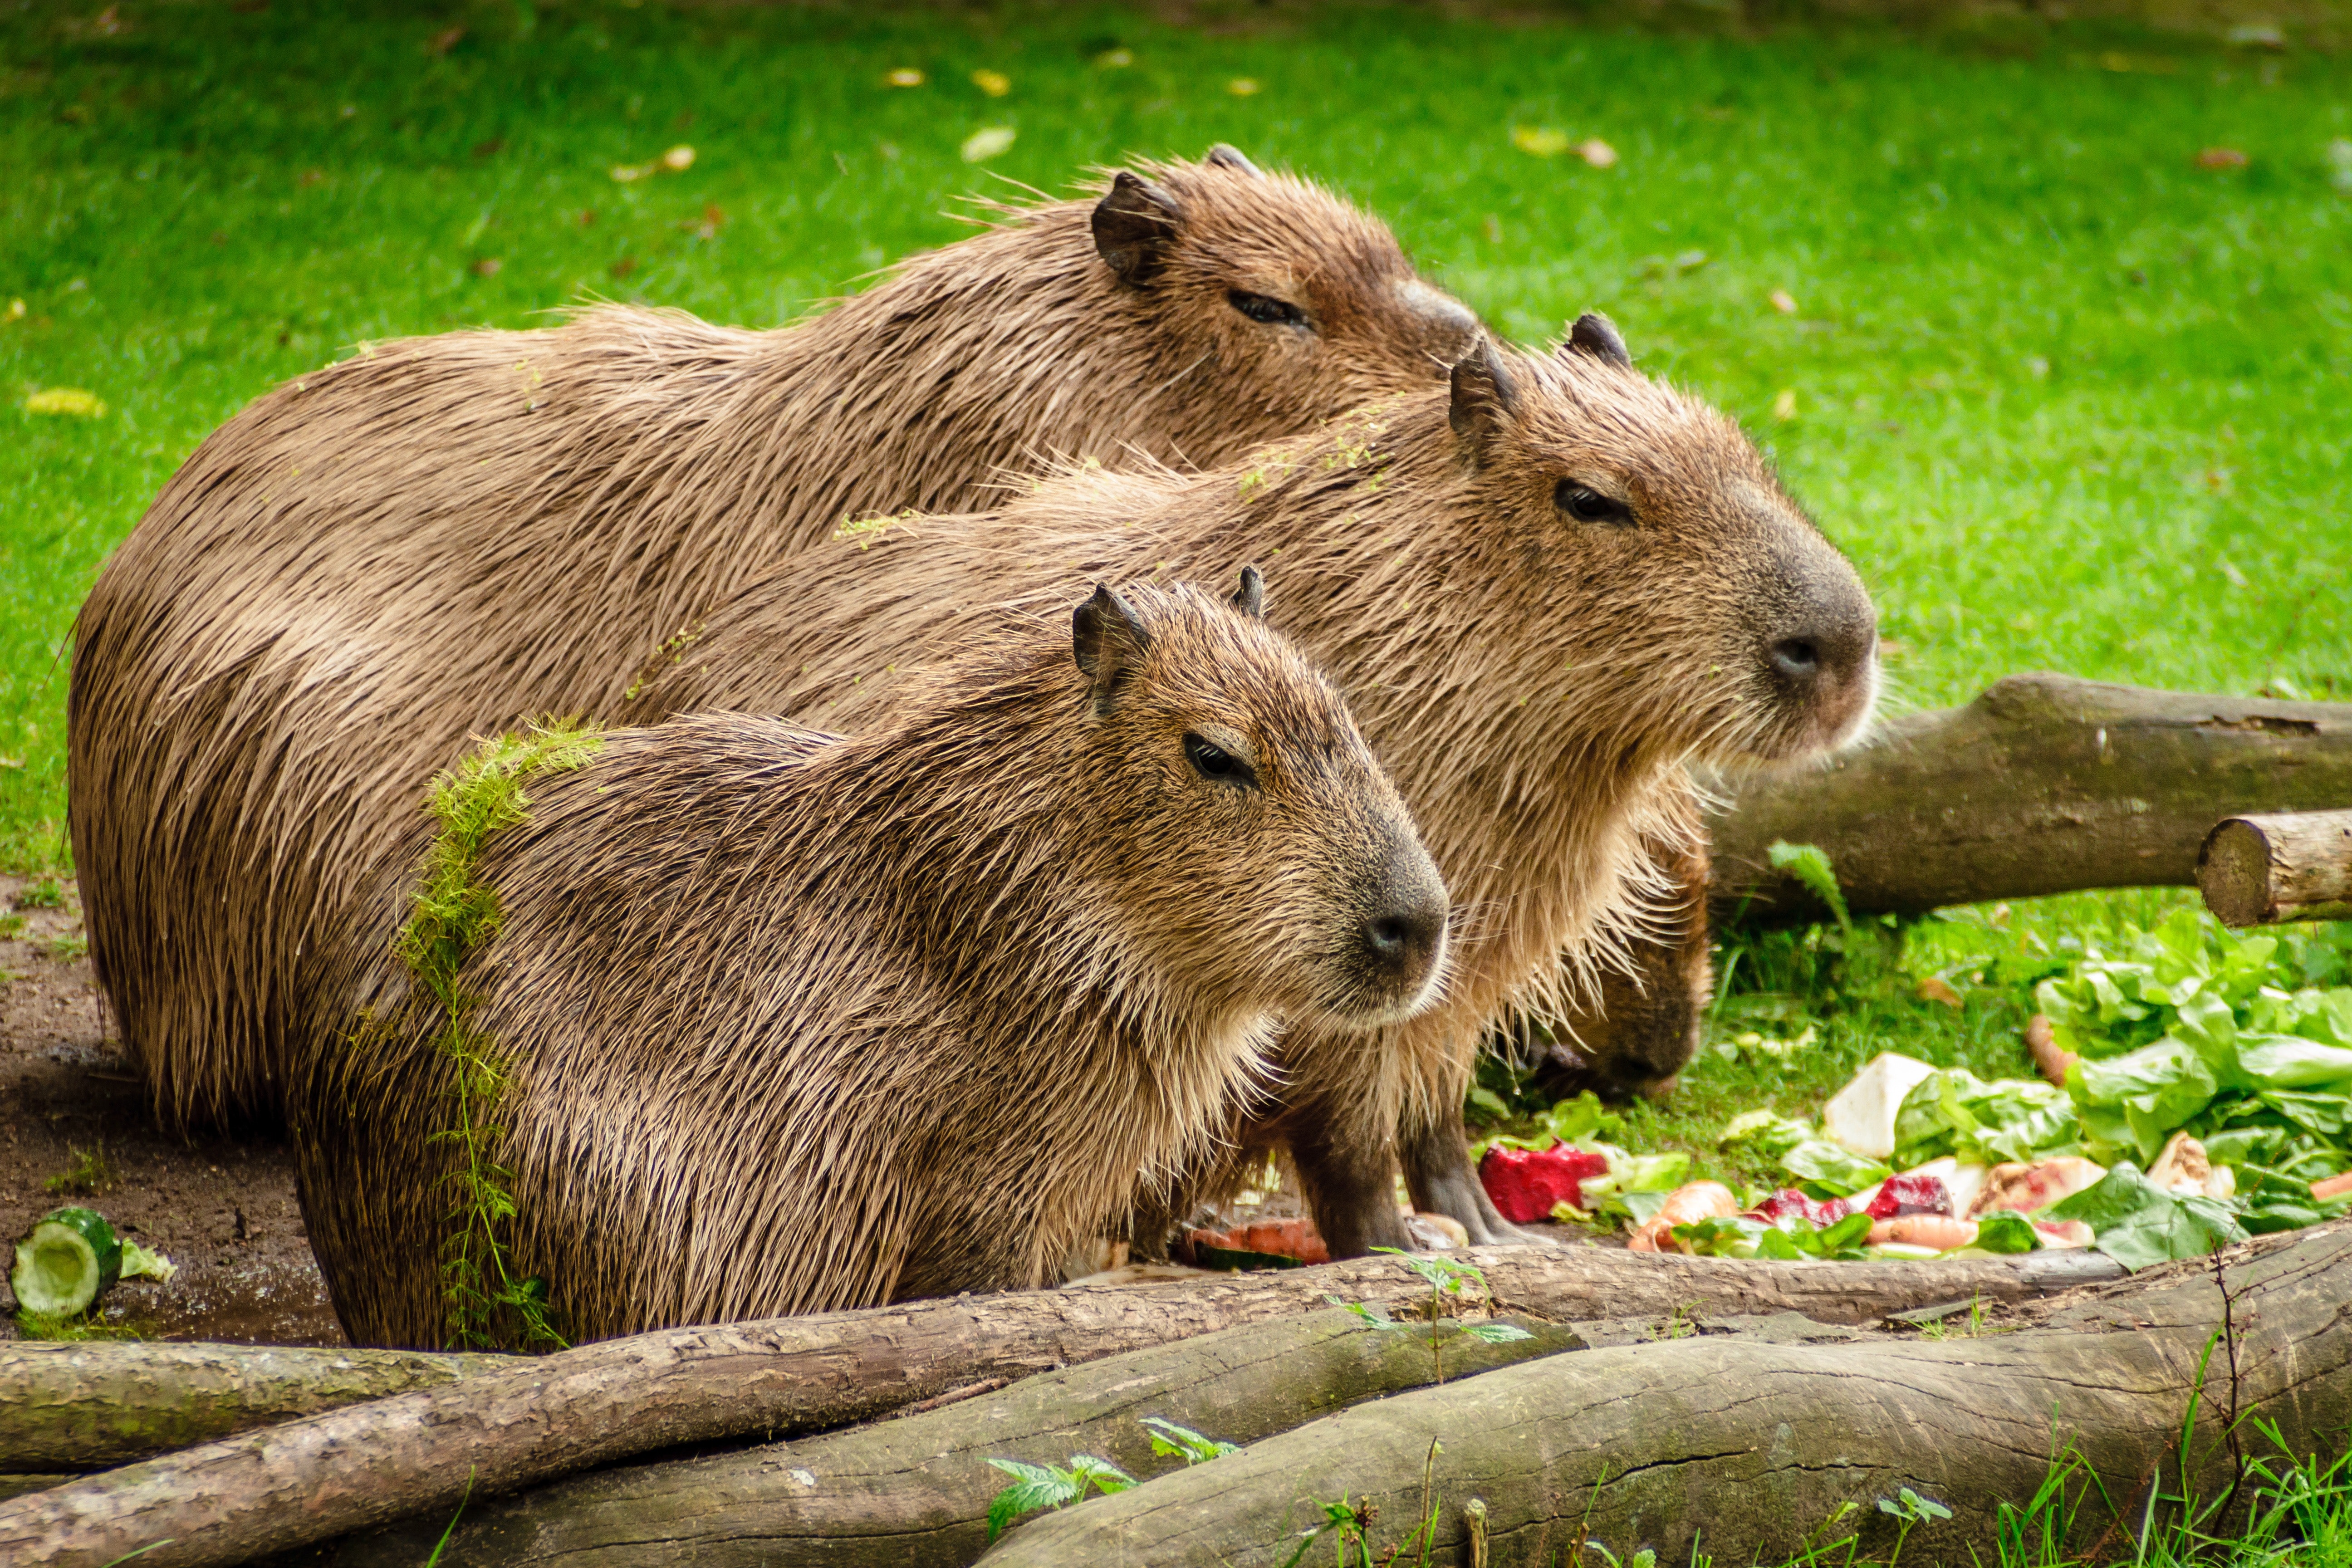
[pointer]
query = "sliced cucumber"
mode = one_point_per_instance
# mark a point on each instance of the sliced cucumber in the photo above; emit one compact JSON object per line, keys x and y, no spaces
{"x":63,"y":1264}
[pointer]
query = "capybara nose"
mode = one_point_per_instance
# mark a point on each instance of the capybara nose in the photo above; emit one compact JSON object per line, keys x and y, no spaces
{"x":1825,"y":652}
{"x":1404,"y":937}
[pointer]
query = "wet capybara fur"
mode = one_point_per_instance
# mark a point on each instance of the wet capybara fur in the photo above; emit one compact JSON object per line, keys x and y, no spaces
{"x":789,"y":1023}
{"x":443,"y":537}
{"x":1543,"y":592}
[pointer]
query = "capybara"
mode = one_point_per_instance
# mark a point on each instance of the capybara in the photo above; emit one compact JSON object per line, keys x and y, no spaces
{"x":1543,"y":592}
{"x":445,"y":536}
{"x":788,"y":1021}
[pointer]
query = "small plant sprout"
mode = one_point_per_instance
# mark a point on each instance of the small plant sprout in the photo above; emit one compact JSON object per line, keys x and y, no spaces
{"x":1909,"y":1510}
{"x":1050,"y":1486}
{"x":1166,"y":1438}
{"x":1445,"y":1278}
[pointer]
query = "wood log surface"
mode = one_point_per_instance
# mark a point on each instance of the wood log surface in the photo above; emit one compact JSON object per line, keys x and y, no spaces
{"x":914,"y":1492}
{"x":367,"y":1465}
{"x":1743,"y":1449}
{"x":2042,"y":785}
{"x":91,"y":1404}
{"x":2259,"y":870}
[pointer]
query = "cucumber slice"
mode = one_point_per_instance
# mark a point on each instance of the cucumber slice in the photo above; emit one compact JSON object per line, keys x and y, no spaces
{"x":63,"y":1264}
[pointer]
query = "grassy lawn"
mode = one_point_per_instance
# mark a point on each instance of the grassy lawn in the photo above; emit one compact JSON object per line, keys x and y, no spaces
{"x":2069,"y":398}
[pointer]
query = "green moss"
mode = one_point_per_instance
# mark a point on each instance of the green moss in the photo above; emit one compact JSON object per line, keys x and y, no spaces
{"x":451,"y":917}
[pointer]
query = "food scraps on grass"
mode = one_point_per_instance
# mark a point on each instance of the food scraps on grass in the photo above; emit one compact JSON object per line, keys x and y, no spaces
{"x":70,"y":1258}
{"x":1685,"y":1205}
{"x":1526,"y":1184}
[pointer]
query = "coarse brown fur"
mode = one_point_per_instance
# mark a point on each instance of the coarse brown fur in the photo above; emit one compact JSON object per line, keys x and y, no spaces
{"x":1533,"y":682}
{"x":792,"y":1023}
{"x":445,"y":536}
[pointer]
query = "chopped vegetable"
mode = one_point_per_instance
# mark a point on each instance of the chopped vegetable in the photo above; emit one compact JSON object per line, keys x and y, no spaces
{"x":2027,"y":1189}
{"x":1293,"y":1241}
{"x":64,"y":1262}
{"x":1914,"y":1193}
{"x":1526,"y":1183}
{"x":1862,"y":1117}
{"x":1956,"y":1113}
{"x":1685,"y":1205}
{"x":1939,"y":1232}
{"x":1823,"y":1169}
{"x":2137,"y":1223}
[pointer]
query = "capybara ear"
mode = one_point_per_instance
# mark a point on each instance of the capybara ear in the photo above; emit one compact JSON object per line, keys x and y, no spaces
{"x":1134,"y":223}
{"x":1225,"y":156}
{"x":1250,"y":597}
{"x":1595,"y":336}
{"x":1484,"y":398}
{"x":1107,"y":640}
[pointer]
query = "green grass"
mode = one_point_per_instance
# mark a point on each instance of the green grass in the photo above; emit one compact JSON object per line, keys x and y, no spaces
{"x":2071,"y":401}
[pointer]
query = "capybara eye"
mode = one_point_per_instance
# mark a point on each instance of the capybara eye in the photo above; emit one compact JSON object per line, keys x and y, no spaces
{"x":1213,"y":763}
{"x":1265,"y":307}
{"x":1587,"y":505}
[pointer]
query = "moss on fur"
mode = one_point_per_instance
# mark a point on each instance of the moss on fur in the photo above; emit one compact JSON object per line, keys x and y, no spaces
{"x":452,"y":916}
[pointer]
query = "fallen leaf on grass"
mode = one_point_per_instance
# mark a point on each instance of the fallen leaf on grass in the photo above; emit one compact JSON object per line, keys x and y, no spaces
{"x":996,"y":84}
{"x":445,"y":40}
{"x":707,"y":226}
{"x":905,"y":76}
{"x":15,"y":312}
{"x":2222,"y":158}
{"x":71,"y":400}
{"x":484,"y":267}
{"x":1244,"y":86}
{"x":986,"y":143}
{"x":1784,"y":405}
{"x":1115,"y":59}
{"x":623,"y":268}
{"x":1596,"y":153}
{"x":678,"y":159}
{"x":1540,"y":140}
{"x":1783,"y":302}
{"x":1933,"y":988}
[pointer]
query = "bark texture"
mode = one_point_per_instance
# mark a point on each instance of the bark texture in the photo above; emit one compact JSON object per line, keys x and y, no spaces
{"x":2042,"y":785}
{"x":368,"y":1464}
{"x":1746,"y":1447}
{"x":82,"y":1406}
{"x":914,"y":1493}
{"x":2259,"y":870}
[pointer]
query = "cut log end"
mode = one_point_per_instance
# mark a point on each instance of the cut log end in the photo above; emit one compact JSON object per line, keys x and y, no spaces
{"x":2259,"y":870}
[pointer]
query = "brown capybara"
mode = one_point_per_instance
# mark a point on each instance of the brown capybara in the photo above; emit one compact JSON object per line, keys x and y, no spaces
{"x":1542,"y":593}
{"x":443,"y":537}
{"x":789,"y":1023}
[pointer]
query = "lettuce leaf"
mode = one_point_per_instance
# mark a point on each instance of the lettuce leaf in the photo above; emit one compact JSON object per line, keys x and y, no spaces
{"x":1958,"y":1113}
{"x":2138,"y":1224}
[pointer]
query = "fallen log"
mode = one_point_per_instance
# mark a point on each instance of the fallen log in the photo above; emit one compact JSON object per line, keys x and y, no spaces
{"x":355,"y":1468}
{"x":914,"y":1492}
{"x":1742,"y":1449}
{"x":88,"y":1405}
{"x":2259,"y":870}
{"x":2042,"y":785}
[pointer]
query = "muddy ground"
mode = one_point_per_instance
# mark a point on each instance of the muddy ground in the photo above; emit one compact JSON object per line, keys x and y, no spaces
{"x":224,"y":1210}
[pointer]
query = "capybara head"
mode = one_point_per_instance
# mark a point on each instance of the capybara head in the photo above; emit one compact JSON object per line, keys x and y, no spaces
{"x":1680,"y":573}
{"x":1257,"y":844}
{"x":1288,"y":302}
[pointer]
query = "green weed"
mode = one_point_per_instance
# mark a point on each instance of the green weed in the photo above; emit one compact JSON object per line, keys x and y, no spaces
{"x":88,"y":1172}
{"x":451,"y":916}
{"x":1444,"y":1278}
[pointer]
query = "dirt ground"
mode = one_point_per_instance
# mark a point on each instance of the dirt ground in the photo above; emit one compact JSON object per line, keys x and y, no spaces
{"x":224,"y":1210}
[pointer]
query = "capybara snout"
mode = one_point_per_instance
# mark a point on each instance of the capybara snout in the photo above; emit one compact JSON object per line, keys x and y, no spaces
{"x":1820,"y":650}
{"x":1250,"y":803}
{"x":1401,"y":942}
